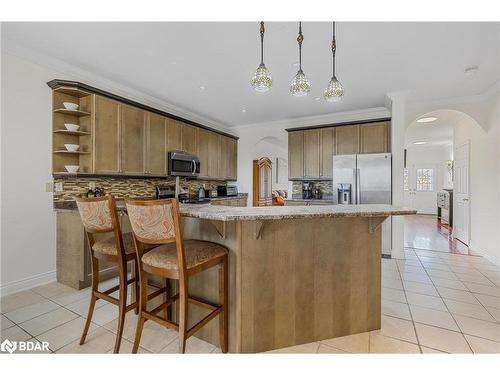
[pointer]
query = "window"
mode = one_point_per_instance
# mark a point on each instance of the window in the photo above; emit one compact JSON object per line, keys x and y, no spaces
{"x":425,"y":179}
{"x":406,"y":182}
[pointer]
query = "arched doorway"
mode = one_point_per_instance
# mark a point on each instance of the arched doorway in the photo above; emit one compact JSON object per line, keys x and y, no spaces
{"x":437,"y":180}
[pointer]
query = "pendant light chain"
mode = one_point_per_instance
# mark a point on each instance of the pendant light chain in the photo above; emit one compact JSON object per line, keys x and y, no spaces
{"x":300,"y":39}
{"x":262,"y":31}
{"x":334,"y":49}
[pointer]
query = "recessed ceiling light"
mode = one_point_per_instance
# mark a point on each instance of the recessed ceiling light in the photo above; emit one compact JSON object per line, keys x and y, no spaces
{"x":244,"y":110}
{"x":419,"y":142}
{"x":295,"y":64}
{"x":427,"y":119}
{"x":317,"y":98}
{"x":471,"y":70}
{"x":202,"y":88}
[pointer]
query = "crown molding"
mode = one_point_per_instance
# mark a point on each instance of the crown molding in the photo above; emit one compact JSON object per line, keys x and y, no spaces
{"x":338,"y":117}
{"x":93,"y":79}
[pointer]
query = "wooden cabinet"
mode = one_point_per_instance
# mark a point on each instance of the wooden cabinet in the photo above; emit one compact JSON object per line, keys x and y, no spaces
{"x":311,"y":153}
{"x":106,"y":136}
{"x":156,"y":155}
{"x":232,"y":154}
{"x":223,"y":160}
{"x":347,"y":139}
{"x":239,"y":201}
{"x":327,"y":150}
{"x":262,"y":182}
{"x":375,"y":137}
{"x":208,"y":153}
{"x":189,"y":139}
{"x":132,"y":131}
{"x":295,"y":154}
{"x":174,"y":135}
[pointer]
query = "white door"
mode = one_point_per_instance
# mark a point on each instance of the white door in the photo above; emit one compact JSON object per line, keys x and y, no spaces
{"x":461,"y":193}
{"x":420,"y":188}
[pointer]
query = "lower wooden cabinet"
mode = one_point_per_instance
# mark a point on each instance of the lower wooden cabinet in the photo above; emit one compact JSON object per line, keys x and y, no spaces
{"x":262,"y":182}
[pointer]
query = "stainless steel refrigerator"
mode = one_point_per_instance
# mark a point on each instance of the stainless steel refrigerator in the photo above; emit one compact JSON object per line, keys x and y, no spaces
{"x":365,"y":179}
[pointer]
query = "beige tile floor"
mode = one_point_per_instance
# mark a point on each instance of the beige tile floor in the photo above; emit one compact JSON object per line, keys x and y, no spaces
{"x":432,"y":302}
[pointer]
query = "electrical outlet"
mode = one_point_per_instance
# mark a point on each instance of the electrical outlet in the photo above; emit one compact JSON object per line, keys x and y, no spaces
{"x":58,"y":187}
{"x":92,"y":185}
{"x":49,"y":187}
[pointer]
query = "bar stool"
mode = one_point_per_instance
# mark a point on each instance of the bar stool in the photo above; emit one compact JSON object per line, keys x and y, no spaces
{"x":99,"y":215}
{"x":158,"y":222}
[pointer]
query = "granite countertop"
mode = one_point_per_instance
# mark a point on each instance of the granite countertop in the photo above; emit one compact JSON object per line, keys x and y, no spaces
{"x":222,"y":213}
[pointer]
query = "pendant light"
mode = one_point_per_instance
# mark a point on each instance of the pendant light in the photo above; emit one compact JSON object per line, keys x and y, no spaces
{"x":300,"y":85}
{"x":334,"y":91}
{"x":262,"y":80}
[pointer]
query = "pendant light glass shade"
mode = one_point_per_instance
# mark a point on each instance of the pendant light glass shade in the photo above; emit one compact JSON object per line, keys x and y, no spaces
{"x":262,"y":80}
{"x":334,"y":92}
{"x":300,"y":85}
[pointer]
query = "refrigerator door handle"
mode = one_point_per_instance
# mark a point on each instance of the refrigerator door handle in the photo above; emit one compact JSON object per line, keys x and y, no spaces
{"x":354,"y":191}
{"x":358,"y":184}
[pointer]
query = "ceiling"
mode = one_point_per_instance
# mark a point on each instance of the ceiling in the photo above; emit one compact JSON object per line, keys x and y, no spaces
{"x":170,"y":61}
{"x":436,"y":133}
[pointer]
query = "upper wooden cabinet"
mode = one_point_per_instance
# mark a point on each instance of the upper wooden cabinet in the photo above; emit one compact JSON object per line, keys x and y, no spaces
{"x":133,"y":145}
{"x":106,"y":136}
{"x":375,"y":137}
{"x":311,"y":153}
{"x":327,"y":150}
{"x":347,"y":139}
{"x":156,"y":150}
{"x":295,"y":154}
{"x":189,"y":139}
{"x":174,"y":135}
{"x":121,"y":137}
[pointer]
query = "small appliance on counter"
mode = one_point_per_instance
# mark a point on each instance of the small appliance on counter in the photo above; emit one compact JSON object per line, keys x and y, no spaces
{"x":227,"y":191}
{"x":318,"y":194}
{"x":164,"y":191}
{"x":307,"y":190}
{"x":201,"y":193}
{"x":211,"y":193}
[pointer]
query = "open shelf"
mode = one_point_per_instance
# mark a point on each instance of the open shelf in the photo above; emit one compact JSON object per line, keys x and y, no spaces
{"x":71,"y":112}
{"x":71,"y":152}
{"x":69,"y":132}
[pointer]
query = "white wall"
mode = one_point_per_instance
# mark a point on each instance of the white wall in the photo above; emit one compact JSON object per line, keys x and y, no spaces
{"x":484,"y":178}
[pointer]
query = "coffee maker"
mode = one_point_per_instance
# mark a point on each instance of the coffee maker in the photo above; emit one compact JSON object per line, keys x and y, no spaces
{"x":307,"y":190}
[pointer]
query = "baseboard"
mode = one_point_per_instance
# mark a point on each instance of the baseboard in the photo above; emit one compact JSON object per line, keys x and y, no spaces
{"x":27,"y":283}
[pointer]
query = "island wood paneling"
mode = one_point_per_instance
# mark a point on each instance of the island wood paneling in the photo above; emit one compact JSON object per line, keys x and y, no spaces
{"x":316,"y":285}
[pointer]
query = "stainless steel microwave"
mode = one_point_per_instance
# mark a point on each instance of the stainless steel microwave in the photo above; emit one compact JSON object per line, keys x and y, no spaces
{"x":183,"y":164}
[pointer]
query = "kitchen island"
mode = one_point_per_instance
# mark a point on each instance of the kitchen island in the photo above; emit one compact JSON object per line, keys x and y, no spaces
{"x":296,"y":274}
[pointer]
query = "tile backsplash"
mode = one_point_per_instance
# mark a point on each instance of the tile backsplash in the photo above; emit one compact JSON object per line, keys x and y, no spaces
{"x":121,"y":186}
{"x":325,"y":186}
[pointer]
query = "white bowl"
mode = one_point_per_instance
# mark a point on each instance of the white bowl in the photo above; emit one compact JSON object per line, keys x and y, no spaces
{"x":70,"y":106}
{"x":71,"y":147}
{"x":72,"y":168}
{"x":72,"y":127}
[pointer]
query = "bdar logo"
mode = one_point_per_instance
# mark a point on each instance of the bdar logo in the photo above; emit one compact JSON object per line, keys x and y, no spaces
{"x":8,"y":346}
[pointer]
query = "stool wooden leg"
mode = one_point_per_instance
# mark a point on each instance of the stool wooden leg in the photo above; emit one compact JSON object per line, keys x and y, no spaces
{"x":223,"y":317}
{"x":166,"y":296}
{"x":143,"y":292}
{"x":183,"y":315}
{"x":93,"y":298}
{"x":135,"y":290}
{"x":122,"y":306}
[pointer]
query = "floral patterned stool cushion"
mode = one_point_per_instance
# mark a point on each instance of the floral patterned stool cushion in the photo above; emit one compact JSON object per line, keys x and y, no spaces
{"x":108,"y":246}
{"x":196,"y":253}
